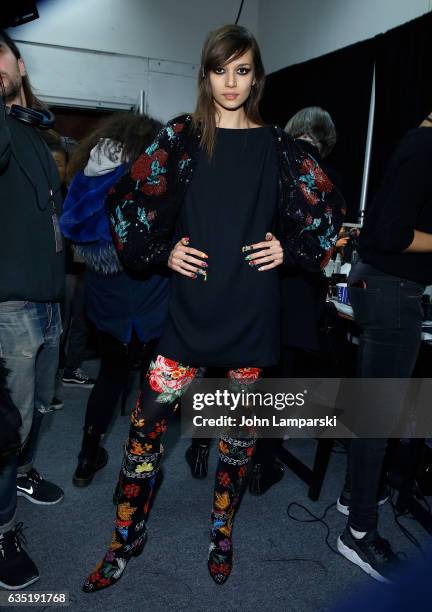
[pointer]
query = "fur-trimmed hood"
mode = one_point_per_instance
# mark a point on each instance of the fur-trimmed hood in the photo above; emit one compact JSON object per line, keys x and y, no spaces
{"x":84,"y":220}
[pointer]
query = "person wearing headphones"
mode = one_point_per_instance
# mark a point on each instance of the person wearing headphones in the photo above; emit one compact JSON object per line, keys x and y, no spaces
{"x":32,"y":279}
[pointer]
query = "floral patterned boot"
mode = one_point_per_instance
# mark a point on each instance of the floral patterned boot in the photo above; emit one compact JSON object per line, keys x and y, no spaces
{"x":167,"y":380}
{"x":136,"y":485}
{"x":234,"y":457}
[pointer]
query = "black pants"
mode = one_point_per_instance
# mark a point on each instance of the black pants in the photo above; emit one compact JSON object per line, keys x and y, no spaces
{"x":389,"y":313}
{"x":117,"y":360}
{"x":75,"y":327}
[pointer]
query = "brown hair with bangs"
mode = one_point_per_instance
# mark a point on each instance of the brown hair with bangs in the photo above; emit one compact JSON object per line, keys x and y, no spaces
{"x":226,"y":43}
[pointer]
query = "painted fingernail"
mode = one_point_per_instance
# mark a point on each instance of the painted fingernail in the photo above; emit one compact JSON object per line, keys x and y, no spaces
{"x":246,"y":248}
{"x":203,"y":273}
{"x":248,"y":257}
{"x":204,"y":264}
{"x":252,"y":263}
{"x":194,"y":276}
{"x":204,"y":255}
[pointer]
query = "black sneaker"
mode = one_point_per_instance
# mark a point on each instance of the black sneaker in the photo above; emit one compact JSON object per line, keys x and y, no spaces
{"x":17,"y":570}
{"x":37,"y":490}
{"x":371,"y":553}
{"x":56,"y":404}
{"x":77,"y":378}
{"x":344,"y":499}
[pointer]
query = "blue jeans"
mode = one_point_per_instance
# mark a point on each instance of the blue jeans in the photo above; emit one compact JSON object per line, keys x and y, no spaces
{"x":29,"y":343}
{"x":389,"y":313}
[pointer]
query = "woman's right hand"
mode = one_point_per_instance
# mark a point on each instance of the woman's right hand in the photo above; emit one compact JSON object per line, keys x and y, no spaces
{"x":184,"y":259}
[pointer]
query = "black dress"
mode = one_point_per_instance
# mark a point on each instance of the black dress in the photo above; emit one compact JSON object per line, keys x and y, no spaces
{"x":232,"y":319}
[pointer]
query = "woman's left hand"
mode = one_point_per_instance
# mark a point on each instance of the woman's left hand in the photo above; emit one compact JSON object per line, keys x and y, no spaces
{"x":269,"y":255}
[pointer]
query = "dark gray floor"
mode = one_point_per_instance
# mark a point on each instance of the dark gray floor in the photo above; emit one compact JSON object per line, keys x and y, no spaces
{"x":279,"y":564}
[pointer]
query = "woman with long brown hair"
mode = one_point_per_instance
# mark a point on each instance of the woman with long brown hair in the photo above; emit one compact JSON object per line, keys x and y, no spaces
{"x":219,"y":185}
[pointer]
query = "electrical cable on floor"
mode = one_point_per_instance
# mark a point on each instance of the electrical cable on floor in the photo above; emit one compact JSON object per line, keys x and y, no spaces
{"x":314,"y":519}
{"x":320,"y":519}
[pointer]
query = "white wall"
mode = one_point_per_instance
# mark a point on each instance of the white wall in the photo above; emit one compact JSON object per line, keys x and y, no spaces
{"x":172,"y":32}
{"x":101,"y":53}
{"x":163,"y":29}
{"x":293,"y":31}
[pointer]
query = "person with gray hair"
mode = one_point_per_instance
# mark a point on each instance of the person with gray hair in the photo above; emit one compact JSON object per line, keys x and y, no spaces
{"x":313,"y":124}
{"x":303,"y":295}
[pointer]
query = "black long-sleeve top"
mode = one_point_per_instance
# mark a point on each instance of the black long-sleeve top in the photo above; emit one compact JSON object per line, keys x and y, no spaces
{"x":403,"y":204}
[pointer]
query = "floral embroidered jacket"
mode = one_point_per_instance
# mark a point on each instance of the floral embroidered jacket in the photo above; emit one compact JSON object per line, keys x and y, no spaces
{"x":144,"y":204}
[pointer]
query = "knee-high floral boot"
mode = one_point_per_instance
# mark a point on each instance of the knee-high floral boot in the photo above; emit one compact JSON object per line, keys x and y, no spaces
{"x":167,"y":381}
{"x":137,"y":480}
{"x":234,"y":457}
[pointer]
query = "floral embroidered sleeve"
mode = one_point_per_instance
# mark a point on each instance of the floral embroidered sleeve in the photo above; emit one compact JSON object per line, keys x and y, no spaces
{"x":312,"y":210}
{"x":144,"y":203}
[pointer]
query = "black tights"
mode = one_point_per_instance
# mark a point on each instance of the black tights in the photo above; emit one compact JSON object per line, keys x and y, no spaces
{"x":117,"y":360}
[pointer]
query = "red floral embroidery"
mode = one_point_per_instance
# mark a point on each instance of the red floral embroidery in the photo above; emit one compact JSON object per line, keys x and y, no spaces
{"x":245,"y":375}
{"x":141,"y":169}
{"x":131,"y":490}
{"x":160,"y":155}
{"x":322,"y":181}
{"x":220,"y":568}
{"x":242,"y":471}
{"x":95,"y":577}
{"x":168,"y":374}
{"x":161,"y":427}
{"x":224,"y":479}
{"x":309,"y":195}
{"x":307,"y":166}
{"x":178,"y":127}
{"x":154,"y":188}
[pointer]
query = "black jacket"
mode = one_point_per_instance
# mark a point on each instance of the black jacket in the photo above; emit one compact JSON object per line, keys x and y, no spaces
{"x":30,"y":268}
{"x":145,"y":202}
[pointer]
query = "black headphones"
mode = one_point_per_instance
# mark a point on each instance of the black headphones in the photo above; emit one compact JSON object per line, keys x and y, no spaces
{"x":43,"y":119}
